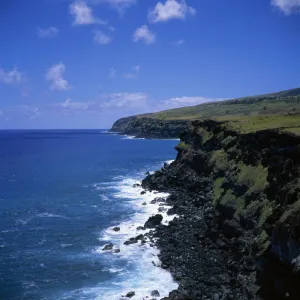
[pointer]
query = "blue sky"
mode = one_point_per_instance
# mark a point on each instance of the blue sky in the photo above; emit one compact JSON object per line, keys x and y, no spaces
{"x":86,"y":63}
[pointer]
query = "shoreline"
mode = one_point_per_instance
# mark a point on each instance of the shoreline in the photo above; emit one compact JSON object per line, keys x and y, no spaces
{"x":127,"y":232}
{"x":195,"y":250}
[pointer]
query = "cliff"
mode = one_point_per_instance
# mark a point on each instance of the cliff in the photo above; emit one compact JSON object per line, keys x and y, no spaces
{"x":149,"y":127}
{"x":237,"y":197}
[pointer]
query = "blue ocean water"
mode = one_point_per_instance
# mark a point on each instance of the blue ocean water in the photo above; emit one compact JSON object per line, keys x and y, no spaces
{"x":61,"y":193}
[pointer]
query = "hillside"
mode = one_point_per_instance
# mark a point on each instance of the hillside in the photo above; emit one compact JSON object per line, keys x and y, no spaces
{"x":280,"y":110}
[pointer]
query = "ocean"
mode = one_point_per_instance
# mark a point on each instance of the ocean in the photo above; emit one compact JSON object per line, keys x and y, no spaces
{"x":61,"y":194}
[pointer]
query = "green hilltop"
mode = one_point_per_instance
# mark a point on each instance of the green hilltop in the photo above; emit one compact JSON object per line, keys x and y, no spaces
{"x":280,"y":110}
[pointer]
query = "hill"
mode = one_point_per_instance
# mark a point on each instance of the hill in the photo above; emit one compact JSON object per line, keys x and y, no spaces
{"x":280,"y":110}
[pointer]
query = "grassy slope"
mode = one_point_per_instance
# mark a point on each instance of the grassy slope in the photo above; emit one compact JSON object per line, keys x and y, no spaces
{"x":278,"y":110}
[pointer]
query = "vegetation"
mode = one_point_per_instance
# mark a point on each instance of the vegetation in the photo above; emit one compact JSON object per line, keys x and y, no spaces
{"x":253,"y":177}
{"x":276,"y":111}
{"x":219,"y":160}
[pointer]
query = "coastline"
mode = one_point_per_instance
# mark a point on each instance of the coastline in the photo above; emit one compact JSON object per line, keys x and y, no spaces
{"x":230,"y":241}
{"x":195,"y":250}
{"x":131,"y":240}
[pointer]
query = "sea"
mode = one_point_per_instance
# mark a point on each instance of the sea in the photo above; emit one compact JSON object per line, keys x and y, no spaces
{"x":62,"y":192}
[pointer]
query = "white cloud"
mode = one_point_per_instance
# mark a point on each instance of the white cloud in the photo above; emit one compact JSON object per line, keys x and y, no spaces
{"x":10,"y":77}
{"x":120,"y":5}
{"x":55,"y":76}
{"x":287,"y":6}
{"x":83,"y":14}
{"x":124,"y":100}
{"x":186,"y":101}
{"x":112,"y":73}
{"x":144,"y":34}
{"x":50,"y":32}
{"x":101,"y":38}
{"x":68,"y":104}
{"x":179,"y":42}
{"x":171,"y":9}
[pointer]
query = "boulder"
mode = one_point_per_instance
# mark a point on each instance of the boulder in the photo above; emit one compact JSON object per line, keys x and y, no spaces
{"x":136,"y":185}
{"x":130,"y":294}
{"x":155,"y":293}
{"x":108,"y":247}
{"x":116,"y":229}
{"x":134,"y":240}
{"x":154,"y":221}
{"x":162,"y":209}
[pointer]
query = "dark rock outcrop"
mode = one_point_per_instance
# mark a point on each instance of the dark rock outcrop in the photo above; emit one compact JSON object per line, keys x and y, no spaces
{"x":238,"y":198}
{"x":150,"y":127}
{"x":108,"y":247}
{"x":153,"y":221}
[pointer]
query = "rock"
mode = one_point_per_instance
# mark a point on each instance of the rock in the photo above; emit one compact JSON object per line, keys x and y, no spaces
{"x":154,"y":221}
{"x":116,"y":251}
{"x":144,"y":203}
{"x":136,"y":185}
{"x":134,"y":240}
{"x":155,"y":293}
{"x":232,"y":228}
{"x":116,"y":229}
{"x":162,"y":209}
{"x":130,"y":294}
{"x":140,"y":228}
{"x":147,"y":173}
{"x":296,"y":265}
{"x":143,"y":192}
{"x":130,"y":241}
{"x":108,"y":247}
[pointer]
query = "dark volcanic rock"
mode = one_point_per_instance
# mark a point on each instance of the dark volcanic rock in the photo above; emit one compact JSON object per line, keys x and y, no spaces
{"x":116,"y":229}
{"x":237,"y":197}
{"x":130,"y":294}
{"x":134,"y":240}
{"x":155,"y":293}
{"x":154,"y":221}
{"x":108,"y":247}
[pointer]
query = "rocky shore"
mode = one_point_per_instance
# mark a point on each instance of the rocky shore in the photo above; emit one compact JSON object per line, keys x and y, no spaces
{"x":237,"y":197}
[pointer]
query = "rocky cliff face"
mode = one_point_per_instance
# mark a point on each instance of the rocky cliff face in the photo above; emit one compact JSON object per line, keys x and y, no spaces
{"x":149,"y":127}
{"x":238,"y":201}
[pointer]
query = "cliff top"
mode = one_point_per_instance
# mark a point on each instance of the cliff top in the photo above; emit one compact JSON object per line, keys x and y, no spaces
{"x":279,"y":110}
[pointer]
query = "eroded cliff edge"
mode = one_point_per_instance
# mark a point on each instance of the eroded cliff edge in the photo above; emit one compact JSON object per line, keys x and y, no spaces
{"x":238,"y":201}
{"x":144,"y":127}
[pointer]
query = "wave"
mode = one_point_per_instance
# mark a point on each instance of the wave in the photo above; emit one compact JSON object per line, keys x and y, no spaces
{"x":50,"y":215}
{"x":134,"y":267}
{"x":131,"y":137}
{"x":143,"y":274}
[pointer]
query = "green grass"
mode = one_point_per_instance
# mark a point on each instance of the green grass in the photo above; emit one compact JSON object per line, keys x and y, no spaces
{"x":249,"y":114}
{"x":219,"y":160}
{"x":218,"y":190}
{"x":204,"y":134}
{"x":182,"y":146}
{"x":255,"y":177}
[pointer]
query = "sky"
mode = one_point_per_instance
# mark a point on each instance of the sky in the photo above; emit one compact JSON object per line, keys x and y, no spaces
{"x":86,"y":63}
